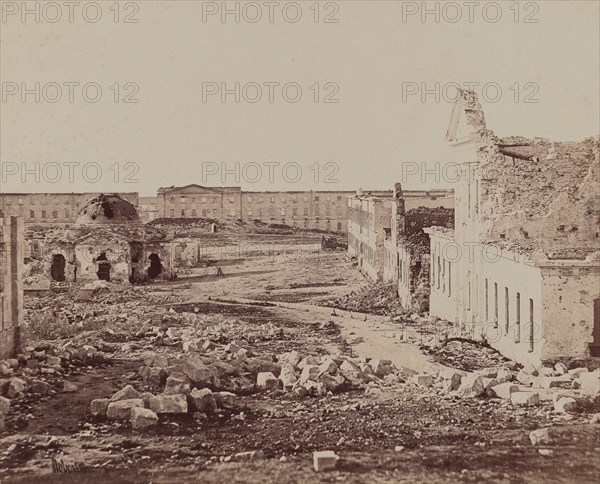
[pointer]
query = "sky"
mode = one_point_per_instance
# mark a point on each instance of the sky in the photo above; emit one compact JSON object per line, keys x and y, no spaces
{"x":387,"y":72}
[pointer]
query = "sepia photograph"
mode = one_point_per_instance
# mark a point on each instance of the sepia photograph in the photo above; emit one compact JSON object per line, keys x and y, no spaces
{"x":298,"y":242}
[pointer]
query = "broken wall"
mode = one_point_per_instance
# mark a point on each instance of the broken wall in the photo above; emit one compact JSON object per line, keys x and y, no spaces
{"x":11,"y":284}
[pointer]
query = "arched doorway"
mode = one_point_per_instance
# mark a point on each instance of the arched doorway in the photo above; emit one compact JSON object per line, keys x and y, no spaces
{"x":57,"y":270}
{"x":155,"y":266}
{"x":103,"y":267}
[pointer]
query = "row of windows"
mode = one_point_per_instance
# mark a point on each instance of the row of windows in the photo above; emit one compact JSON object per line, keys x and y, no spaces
{"x":441,"y":268}
{"x":260,"y":198}
{"x":44,"y":214}
{"x":507,"y":313}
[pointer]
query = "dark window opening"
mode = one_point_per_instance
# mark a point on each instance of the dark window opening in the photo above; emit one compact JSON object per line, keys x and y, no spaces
{"x":57,"y":270}
{"x":103,"y":272}
{"x":156,"y":267}
{"x":595,"y":346}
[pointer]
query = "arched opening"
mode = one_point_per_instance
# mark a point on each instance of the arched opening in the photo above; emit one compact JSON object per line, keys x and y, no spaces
{"x":57,"y":270}
{"x":103,"y":272}
{"x":155,"y":266}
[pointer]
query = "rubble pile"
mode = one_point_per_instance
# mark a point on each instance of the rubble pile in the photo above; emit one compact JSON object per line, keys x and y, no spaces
{"x":380,"y":299}
{"x":40,"y":372}
{"x":91,"y":307}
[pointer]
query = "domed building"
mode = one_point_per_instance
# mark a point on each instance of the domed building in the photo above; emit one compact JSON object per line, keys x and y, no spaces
{"x":108,"y":242}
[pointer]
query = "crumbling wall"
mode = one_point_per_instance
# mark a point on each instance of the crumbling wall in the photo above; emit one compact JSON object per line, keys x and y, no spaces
{"x":89,"y":252}
{"x":11,"y":284}
{"x":539,"y":194}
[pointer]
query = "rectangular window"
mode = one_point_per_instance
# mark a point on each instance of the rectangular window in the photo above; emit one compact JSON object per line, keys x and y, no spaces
{"x":339,"y":199}
{"x":294,"y":211}
{"x":495,"y":304}
{"x":531,"y":328}
{"x":182,"y":200}
{"x":172,"y":213}
{"x":249,"y":212}
{"x":487,"y":303}
{"x":249,"y":198}
{"x":518,"y":319}
{"x":67,"y":214}
{"x":183,"y":212}
{"x":506,"y":311}
{"x":316,"y":198}
{"x":194,"y":213}
{"x":31,"y":214}
{"x":43,"y":214}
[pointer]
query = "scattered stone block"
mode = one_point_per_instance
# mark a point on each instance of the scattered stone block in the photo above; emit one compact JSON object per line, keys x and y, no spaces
{"x":39,"y":386}
{"x":69,"y":387}
{"x":309,"y":360}
{"x":563,"y":381}
{"x":288,"y":376}
{"x":452,"y":381}
{"x":267,"y":381}
{"x":590,"y":383}
{"x":121,"y":410}
{"x":423,"y":380}
{"x":126,"y":393}
{"x":142,"y":418}
{"x":168,"y":404}
{"x":204,"y":400}
{"x":332,"y":383}
{"x":381,"y":368}
{"x":325,"y":460}
{"x":351,"y":371}
{"x":15,"y":387}
{"x":575,"y":372}
{"x":226,"y":400}
{"x":174,"y":386}
{"x":540,"y":437}
{"x":4,"y":406}
{"x":472,"y":386}
{"x":505,"y":390}
{"x":525,"y":377}
{"x":53,"y":360}
{"x":561,"y":368}
{"x":525,"y":398}
{"x":565,"y":405}
{"x":99,"y":406}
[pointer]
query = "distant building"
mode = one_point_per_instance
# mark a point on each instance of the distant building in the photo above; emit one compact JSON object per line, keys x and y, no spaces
{"x":321,"y":210}
{"x":522,"y":267}
{"x":50,"y":208}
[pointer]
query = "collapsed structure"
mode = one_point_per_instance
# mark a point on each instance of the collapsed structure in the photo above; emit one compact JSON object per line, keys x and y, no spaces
{"x":522,"y":267}
{"x":11,"y":284}
{"x":108,"y":242}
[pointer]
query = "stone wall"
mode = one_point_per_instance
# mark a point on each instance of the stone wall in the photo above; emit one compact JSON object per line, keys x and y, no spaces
{"x":11,"y":287}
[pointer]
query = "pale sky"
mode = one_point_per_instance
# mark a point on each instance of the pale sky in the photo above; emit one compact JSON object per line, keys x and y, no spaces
{"x":371,"y":56}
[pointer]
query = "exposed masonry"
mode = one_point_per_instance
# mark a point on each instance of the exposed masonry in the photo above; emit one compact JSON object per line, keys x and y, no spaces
{"x":11,"y":284}
{"x":542,"y":196}
{"x":107,"y":243}
{"x":407,"y":252}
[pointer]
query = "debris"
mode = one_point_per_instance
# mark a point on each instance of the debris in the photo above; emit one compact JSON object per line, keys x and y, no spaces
{"x":121,"y":410}
{"x":142,"y":418}
{"x":325,"y":460}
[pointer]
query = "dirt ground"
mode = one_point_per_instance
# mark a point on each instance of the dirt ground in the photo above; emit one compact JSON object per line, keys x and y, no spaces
{"x":394,"y":434}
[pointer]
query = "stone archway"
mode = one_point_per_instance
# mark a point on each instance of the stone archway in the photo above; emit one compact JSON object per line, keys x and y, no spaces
{"x":156,"y":267}
{"x":57,"y":270}
{"x":103,"y":272}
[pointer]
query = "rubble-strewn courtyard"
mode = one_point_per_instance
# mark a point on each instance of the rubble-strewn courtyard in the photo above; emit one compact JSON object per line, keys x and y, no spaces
{"x":243,"y":377}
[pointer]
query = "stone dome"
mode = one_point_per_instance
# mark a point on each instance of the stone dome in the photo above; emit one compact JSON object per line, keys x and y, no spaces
{"x":108,"y":209}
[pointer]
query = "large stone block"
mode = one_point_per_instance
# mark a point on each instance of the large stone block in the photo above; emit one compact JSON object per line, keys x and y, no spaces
{"x":590,"y":383}
{"x":204,"y":400}
{"x":121,"y":410}
{"x":168,"y":404}
{"x":142,"y":418}
{"x":325,"y":460}
{"x":99,"y":407}
{"x":126,"y":393}
{"x":525,"y":398}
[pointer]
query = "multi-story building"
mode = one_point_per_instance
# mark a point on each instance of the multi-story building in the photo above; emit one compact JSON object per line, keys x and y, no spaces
{"x":322,"y":210}
{"x":368,"y":225}
{"x":522,"y":266}
{"x":11,"y":284}
{"x":50,"y":208}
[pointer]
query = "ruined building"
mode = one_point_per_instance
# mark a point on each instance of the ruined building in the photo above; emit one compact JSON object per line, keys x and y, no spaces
{"x":406,"y":249}
{"x":522,"y":267}
{"x":384,"y":231}
{"x":11,"y":284}
{"x":108,"y":242}
{"x":50,"y":208}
